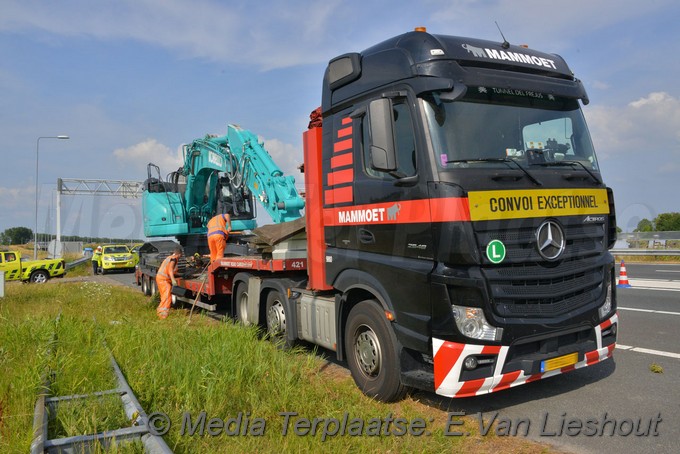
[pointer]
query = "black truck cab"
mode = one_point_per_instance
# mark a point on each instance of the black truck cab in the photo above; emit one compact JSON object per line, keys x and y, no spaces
{"x":462,"y":193}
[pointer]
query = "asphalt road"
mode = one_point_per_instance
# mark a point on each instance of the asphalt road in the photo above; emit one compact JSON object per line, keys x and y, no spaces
{"x":624,"y":390}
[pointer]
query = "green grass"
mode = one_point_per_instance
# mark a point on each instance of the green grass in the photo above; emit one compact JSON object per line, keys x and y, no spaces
{"x":647,"y":258}
{"x":184,"y":368}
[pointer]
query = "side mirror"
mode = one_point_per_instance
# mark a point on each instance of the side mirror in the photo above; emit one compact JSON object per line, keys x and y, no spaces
{"x":383,"y":155}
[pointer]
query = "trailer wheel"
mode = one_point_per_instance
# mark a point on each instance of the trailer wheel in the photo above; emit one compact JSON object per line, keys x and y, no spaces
{"x":39,"y":277}
{"x":372,"y":353}
{"x":241,"y":304}
{"x":153,"y":286}
{"x":146,"y":288}
{"x":275,"y":316}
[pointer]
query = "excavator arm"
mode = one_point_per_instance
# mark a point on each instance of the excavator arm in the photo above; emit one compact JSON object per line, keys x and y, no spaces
{"x":250,"y":165}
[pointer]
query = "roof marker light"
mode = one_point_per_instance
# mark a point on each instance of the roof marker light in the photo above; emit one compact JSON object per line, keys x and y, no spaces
{"x":420,"y":29}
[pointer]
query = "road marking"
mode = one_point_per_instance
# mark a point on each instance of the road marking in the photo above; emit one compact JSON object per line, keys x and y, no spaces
{"x":648,"y":351}
{"x":651,"y":311}
{"x":667,"y":271}
{"x":655,"y":284}
{"x":653,"y":288}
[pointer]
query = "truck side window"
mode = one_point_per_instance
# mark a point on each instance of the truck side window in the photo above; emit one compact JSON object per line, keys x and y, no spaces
{"x":10,"y":257}
{"x":403,"y":139}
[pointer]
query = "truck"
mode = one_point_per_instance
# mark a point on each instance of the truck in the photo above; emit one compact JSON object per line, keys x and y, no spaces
{"x":37,"y":271}
{"x":456,"y":227}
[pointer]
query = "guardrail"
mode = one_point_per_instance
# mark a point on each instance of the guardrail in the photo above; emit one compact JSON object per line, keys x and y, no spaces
{"x":652,"y":252}
{"x":77,"y":262}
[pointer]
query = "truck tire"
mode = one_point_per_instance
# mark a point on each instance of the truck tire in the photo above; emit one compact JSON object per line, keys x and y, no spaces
{"x":241,"y":304}
{"x":275,"y":318}
{"x":153,"y":287}
{"x":373,"y":353}
{"x":146,"y":288}
{"x":39,"y":277}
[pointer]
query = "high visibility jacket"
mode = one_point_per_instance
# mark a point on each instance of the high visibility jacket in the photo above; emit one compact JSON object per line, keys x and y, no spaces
{"x":218,"y":225}
{"x":167,"y":268}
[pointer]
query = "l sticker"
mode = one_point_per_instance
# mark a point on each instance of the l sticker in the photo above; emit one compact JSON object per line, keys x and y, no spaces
{"x":495,"y":251}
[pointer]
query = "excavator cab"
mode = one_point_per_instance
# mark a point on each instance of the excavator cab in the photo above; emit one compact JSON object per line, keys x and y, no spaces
{"x":239,"y":203}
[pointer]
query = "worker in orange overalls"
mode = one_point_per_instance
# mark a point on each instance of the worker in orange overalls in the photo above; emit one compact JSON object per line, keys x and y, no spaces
{"x":218,"y":232}
{"x":165,"y":279}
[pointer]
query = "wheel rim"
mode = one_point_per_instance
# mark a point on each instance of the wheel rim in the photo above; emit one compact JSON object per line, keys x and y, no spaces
{"x":243,"y":308}
{"x":367,"y":351}
{"x":39,"y":278}
{"x":276,"y":318}
{"x":145,"y":286}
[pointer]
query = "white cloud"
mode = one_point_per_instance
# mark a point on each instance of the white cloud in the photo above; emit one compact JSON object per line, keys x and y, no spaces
{"x":261,"y":34}
{"x":639,"y":146}
{"x":645,"y":127}
{"x":16,"y":198}
{"x":17,"y":207}
{"x":537,"y":21}
{"x":287,"y":157}
{"x":149,"y":151}
{"x":600,"y":85}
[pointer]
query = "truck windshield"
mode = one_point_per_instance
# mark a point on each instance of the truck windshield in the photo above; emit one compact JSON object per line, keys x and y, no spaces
{"x":489,"y":125}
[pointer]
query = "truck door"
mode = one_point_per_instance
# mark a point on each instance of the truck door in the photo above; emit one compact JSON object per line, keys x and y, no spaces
{"x":402,"y":227}
{"x":377,"y":217}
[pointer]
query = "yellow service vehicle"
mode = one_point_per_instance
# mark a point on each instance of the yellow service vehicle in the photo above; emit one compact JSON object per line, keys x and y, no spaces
{"x":37,"y":271}
{"x":116,"y":257}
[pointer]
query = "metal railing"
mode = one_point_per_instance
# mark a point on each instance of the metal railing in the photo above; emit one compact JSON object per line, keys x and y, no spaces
{"x":647,"y":244}
{"x":650,"y":252}
{"x":77,"y":262}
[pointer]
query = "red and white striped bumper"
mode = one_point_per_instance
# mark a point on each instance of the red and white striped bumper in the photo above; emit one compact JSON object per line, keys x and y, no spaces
{"x":449,"y":358}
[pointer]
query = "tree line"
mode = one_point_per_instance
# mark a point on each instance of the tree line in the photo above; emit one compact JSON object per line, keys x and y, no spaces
{"x":665,"y":222}
{"x":23,"y":235}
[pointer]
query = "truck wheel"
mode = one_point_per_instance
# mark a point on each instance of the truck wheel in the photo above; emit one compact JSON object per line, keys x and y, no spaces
{"x":153,"y":286}
{"x":241,"y":303}
{"x":372,"y":353}
{"x":275,"y":316}
{"x":145,"y":285}
{"x":39,"y":277}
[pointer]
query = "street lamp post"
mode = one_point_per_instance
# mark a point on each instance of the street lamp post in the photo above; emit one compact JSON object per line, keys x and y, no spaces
{"x":37,"y":154}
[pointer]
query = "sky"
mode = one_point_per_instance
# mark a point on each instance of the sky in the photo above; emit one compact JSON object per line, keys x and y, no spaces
{"x":130,"y":81}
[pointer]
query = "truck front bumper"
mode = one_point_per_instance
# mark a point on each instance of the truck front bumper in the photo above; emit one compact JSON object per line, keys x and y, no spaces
{"x":495,"y":371}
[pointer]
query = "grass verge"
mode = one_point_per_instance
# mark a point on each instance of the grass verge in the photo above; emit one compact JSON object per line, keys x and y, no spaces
{"x":186,"y":370}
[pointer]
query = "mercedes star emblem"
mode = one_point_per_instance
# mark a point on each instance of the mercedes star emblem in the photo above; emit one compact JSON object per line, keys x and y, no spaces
{"x":550,"y":240}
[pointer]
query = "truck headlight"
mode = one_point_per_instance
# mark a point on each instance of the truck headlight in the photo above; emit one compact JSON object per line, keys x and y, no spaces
{"x":472,"y":323}
{"x":606,"y":307}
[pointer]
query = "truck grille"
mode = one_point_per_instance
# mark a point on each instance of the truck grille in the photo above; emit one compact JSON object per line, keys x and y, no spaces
{"x":525,"y":285}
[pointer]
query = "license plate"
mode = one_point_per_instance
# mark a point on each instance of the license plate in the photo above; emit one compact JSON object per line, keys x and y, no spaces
{"x":559,"y":362}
